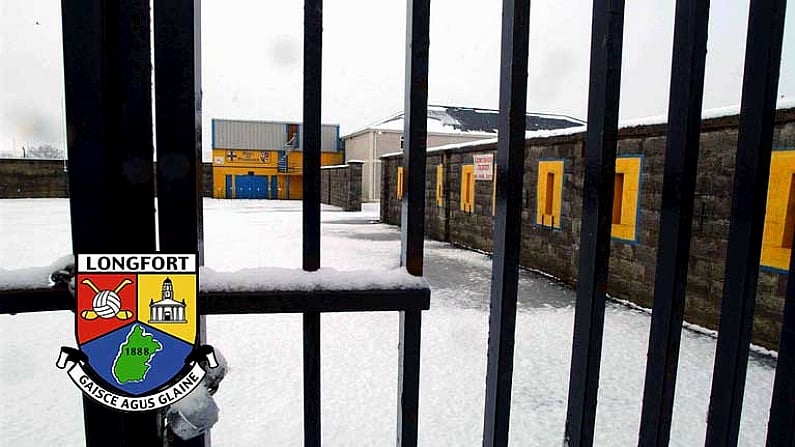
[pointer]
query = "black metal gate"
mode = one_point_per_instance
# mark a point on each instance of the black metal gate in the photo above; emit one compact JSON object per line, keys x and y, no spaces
{"x":110,"y":141}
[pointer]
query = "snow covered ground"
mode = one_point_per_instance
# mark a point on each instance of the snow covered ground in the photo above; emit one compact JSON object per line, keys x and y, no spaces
{"x":260,"y":399}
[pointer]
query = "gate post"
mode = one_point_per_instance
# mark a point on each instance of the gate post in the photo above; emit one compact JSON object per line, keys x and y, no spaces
{"x":107,"y":75}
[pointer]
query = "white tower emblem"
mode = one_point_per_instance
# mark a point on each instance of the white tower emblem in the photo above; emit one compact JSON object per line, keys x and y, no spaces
{"x":167,"y":309}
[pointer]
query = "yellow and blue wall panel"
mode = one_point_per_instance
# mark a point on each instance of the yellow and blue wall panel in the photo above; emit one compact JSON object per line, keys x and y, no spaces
{"x":262,"y":174}
{"x":467,"y":188}
{"x":780,"y":211}
{"x":439,"y":185}
{"x":626,"y":198}
{"x":399,"y":189}
{"x":549,"y":193}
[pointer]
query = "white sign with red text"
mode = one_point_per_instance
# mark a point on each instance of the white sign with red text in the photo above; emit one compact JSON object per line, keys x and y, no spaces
{"x":484,"y":166}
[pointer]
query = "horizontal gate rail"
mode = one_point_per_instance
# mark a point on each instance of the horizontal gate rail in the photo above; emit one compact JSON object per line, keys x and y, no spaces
{"x":21,"y":301}
{"x":754,"y":145}
{"x":373,"y":300}
{"x":676,"y":219}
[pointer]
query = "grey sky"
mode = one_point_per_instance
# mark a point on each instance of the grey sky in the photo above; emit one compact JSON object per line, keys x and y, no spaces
{"x":252,"y":60}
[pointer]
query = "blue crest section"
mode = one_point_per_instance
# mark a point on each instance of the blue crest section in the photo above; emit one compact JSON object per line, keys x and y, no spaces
{"x":163,"y":365}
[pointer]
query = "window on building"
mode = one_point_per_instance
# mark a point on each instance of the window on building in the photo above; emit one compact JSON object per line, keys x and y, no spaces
{"x":549,"y":197}
{"x":789,"y":221}
{"x":467,"y":188}
{"x":439,"y":183}
{"x":780,"y":211}
{"x":400,"y":182}
{"x":549,"y":193}
{"x":292,"y":136}
{"x":626,"y":198}
{"x":618,"y":197}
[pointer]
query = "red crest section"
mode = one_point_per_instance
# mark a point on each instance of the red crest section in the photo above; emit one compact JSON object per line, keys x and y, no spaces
{"x":105,"y":302}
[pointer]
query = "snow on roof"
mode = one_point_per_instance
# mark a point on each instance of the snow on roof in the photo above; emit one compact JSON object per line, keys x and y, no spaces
{"x":528,"y":135}
{"x":720,"y":112}
{"x":471,"y":121}
{"x":275,"y":278}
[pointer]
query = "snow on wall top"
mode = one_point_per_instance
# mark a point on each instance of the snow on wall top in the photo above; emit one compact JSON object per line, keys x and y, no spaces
{"x":333,"y":167}
{"x":719,"y":112}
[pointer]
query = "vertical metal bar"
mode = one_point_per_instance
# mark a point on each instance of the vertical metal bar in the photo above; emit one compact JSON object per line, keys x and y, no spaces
{"x":676,"y":218}
{"x":178,"y":106}
{"x":177,"y":31}
{"x":416,"y":131}
{"x":754,"y":143}
{"x":412,"y":230}
{"x":107,"y":74}
{"x":507,"y":220}
{"x":781,"y":423}
{"x":600,"y":157}
{"x":313,"y":52}
{"x":408,"y":378}
{"x":313,"y":41}
{"x":311,"y":379}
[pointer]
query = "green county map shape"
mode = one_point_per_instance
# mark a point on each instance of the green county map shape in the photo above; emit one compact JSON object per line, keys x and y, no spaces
{"x":132,"y":360}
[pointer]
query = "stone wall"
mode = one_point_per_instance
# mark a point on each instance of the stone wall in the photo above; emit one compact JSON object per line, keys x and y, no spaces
{"x":21,"y":178}
{"x":207,"y":180}
{"x":342,"y":185}
{"x":32,"y":178}
{"x":632,"y":265}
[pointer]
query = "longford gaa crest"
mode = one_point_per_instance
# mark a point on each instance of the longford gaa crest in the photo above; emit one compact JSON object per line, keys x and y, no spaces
{"x":136,"y":328}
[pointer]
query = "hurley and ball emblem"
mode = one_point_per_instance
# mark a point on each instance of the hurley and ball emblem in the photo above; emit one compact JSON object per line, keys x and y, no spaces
{"x":106,"y":303}
{"x":136,"y":327}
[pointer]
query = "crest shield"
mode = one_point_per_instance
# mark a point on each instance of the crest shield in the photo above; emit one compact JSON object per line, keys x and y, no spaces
{"x":136,"y":328}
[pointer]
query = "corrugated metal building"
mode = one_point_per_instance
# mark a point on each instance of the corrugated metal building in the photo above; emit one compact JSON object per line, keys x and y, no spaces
{"x":264,"y":159}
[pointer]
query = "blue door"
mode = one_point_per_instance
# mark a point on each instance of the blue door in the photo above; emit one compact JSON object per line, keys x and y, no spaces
{"x":274,"y":187}
{"x":243,"y":187}
{"x":228,"y":186}
{"x":240,"y":186}
{"x":260,"y":186}
{"x":251,"y":186}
